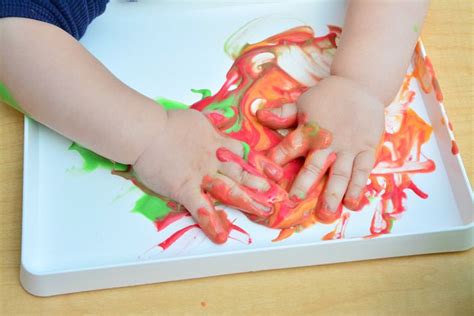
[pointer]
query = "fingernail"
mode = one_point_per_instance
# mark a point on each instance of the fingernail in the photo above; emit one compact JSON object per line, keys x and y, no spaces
{"x":298,"y":196}
{"x":265,"y":186}
{"x":274,"y":172}
{"x":325,"y":214}
{"x":353,"y":201}
{"x":330,"y":205}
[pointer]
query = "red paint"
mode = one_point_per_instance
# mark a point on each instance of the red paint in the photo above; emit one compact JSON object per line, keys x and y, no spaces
{"x":325,"y":215}
{"x":265,"y":198}
{"x":327,"y":164}
{"x":173,"y":238}
{"x":417,"y":191}
{"x":270,"y":119}
{"x":297,"y":144}
{"x":257,"y":164}
{"x":243,"y":231}
{"x":454,"y":147}
{"x":399,"y":156}
{"x":340,"y":229}
{"x":178,"y":234}
{"x":224,"y":193}
{"x":214,"y":224}
{"x":169,"y":219}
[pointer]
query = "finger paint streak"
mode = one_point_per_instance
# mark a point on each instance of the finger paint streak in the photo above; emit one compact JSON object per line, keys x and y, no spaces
{"x":259,"y":80}
{"x":174,"y":237}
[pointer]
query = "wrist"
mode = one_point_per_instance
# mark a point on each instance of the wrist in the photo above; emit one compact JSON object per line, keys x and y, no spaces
{"x":363,"y":86}
{"x":145,"y":129}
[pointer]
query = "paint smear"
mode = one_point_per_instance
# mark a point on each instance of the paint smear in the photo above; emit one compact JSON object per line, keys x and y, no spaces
{"x":275,"y":71}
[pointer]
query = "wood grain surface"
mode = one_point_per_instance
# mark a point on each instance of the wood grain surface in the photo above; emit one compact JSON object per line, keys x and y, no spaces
{"x":440,"y":284}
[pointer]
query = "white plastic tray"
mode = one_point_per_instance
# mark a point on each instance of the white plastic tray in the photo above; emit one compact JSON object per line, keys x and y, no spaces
{"x":78,"y":231}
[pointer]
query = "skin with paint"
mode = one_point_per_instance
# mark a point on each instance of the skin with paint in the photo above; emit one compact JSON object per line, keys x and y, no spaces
{"x":265,"y":75}
{"x":261,"y":80}
{"x":170,"y":151}
{"x":350,"y":101}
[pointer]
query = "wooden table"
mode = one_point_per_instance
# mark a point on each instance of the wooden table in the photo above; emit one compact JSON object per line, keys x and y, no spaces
{"x":429,"y":284}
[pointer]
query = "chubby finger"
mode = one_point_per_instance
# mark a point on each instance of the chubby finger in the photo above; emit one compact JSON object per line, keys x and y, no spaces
{"x":265,"y":165}
{"x":243,"y":177}
{"x":336,"y":186}
{"x":230,"y":193}
{"x":363,"y":165}
{"x":214,"y":223}
{"x":252,"y":162}
{"x":284,"y":116}
{"x":240,"y":149}
{"x":314,"y":168}
{"x":294,"y":145}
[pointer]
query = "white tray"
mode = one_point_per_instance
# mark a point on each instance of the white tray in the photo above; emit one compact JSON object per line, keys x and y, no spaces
{"x":78,"y":231}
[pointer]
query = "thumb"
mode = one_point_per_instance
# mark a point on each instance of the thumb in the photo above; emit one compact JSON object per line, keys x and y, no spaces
{"x":281,"y":117}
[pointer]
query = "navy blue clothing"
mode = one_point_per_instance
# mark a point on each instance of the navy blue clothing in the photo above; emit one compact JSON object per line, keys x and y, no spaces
{"x":72,"y":16}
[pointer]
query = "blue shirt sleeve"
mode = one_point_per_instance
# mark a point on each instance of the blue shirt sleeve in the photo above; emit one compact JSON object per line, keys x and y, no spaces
{"x":73,"y":16}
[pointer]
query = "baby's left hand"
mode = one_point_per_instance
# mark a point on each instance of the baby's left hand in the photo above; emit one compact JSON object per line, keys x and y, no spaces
{"x":355,"y":119}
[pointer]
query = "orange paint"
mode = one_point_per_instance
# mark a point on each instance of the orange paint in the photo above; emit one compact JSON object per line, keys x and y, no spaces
{"x":424,"y":72}
{"x":260,"y":80}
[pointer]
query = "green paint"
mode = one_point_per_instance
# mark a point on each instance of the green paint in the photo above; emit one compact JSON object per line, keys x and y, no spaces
{"x":226,"y":106}
{"x":6,"y":97}
{"x":415,"y":28}
{"x":92,"y":161}
{"x":171,"y":104}
{"x":313,"y":129}
{"x":246,"y":150}
{"x":203,"y":92}
{"x":300,"y":195}
{"x":151,"y":207}
{"x":236,"y":127}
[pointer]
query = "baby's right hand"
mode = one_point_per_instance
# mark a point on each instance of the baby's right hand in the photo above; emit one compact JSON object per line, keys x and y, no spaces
{"x":181,"y":163}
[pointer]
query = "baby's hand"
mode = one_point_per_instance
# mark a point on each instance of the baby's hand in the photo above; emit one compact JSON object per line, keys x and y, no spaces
{"x":181,"y":164}
{"x":356,"y":120}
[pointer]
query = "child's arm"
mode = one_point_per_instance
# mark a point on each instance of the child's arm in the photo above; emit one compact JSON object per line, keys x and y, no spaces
{"x":368,"y":69}
{"x":58,"y":83}
{"x":377,"y":42}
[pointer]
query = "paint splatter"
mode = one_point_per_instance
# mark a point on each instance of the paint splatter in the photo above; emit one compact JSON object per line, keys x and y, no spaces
{"x":275,"y":71}
{"x":454,"y":147}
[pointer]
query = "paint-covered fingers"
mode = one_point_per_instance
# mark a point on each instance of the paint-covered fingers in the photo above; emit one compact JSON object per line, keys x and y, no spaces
{"x":281,"y":117}
{"x":250,"y":161}
{"x":314,"y":168}
{"x":240,"y":149}
{"x":243,"y":177}
{"x":307,"y":136}
{"x":363,"y":165}
{"x":294,"y":145}
{"x":214,"y":223}
{"x":265,"y":165}
{"x":228,"y":192}
{"x":329,"y":205}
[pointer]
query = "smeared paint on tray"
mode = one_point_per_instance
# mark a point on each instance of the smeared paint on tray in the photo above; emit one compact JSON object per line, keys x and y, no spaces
{"x":275,"y":71}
